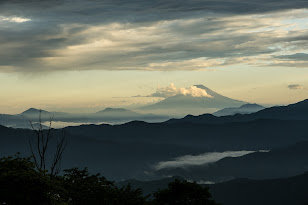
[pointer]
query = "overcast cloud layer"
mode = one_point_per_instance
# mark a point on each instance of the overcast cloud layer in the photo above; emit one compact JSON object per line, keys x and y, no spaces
{"x":151,"y":35}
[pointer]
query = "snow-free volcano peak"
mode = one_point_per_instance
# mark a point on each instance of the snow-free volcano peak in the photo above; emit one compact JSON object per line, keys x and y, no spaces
{"x":212,"y":100}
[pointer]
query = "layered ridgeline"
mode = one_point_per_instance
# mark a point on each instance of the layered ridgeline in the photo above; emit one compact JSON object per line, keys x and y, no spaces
{"x":133,"y":149}
{"x":265,"y":164}
{"x":297,"y":111}
{"x":282,"y":191}
{"x":244,"y":109}
{"x":200,"y":100}
{"x":108,"y":115}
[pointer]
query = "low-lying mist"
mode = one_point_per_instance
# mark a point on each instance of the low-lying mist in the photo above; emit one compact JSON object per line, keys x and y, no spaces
{"x":206,"y":158}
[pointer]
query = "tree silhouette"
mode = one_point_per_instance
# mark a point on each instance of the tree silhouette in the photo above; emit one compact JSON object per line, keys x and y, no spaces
{"x":184,"y":193}
{"x":40,"y":146}
{"x":84,"y":188}
{"x":21,"y":183}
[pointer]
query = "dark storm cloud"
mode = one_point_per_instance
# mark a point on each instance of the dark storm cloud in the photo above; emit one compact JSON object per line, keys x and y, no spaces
{"x":146,"y":35}
{"x":147,"y":8}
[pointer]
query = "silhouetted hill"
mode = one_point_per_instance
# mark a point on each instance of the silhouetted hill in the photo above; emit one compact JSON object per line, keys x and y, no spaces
{"x":148,"y":187}
{"x":297,"y":111}
{"x":252,"y":135}
{"x":244,"y":109}
{"x":188,"y":101}
{"x":280,"y":162}
{"x":163,"y":141}
{"x":127,"y":150}
{"x":13,"y":120}
{"x":13,"y":140}
{"x":283,"y":191}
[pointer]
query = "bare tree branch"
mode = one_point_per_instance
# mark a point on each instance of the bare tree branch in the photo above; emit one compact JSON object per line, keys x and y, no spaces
{"x":42,"y":142}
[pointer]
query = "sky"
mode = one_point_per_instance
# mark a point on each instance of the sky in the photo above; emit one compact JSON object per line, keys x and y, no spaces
{"x":86,"y":55}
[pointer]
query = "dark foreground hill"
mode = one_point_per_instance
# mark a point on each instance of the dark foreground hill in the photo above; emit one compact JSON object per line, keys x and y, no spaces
{"x":149,"y":187}
{"x":282,"y":191}
{"x":126,"y":151}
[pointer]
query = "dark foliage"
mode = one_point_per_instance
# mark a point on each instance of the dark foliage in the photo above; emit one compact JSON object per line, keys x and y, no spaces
{"x":84,"y":188}
{"x":184,"y":193}
{"x":20,"y":183}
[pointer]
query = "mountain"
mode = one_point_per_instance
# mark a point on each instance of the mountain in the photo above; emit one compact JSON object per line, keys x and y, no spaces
{"x":279,"y":162}
{"x":188,"y":101}
{"x":13,"y":120}
{"x":34,"y":111}
{"x":115,"y":110}
{"x":244,"y":109}
{"x":123,"y":115}
{"x":148,"y":187}
{"x":297,"y":111}
{"x":33,"y":114}
{"x":128,"y":150}
{"x":282,"y":191}
{"x":118,"y":112}
{"x":108,"y":115}
{"x":137,"y":147}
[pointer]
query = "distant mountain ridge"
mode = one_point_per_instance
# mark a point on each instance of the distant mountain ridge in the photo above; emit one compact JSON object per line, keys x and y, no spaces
{"x":108,"y":115}
{"x":109,"y":109}
{"x":244,"y":109}
{"x":296,"y":111}
{"x":117,"y":112}
{"x":34,"y":111}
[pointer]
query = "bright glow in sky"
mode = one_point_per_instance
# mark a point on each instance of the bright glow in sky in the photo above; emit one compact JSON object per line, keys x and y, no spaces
{"x":14,"y":19}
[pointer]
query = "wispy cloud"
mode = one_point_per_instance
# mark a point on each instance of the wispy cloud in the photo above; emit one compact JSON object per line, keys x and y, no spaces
{"x":172,"y":90}
{"x":191,"y":160}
